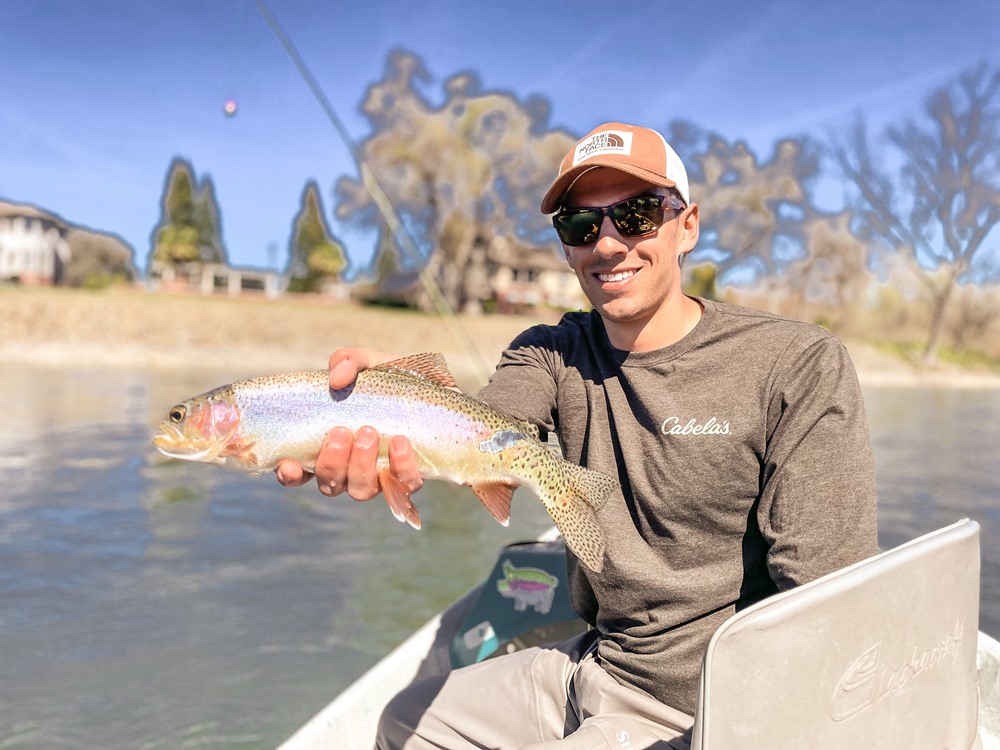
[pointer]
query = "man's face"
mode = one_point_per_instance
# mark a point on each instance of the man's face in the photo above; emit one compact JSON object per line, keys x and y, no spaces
{"x":629,"y":279}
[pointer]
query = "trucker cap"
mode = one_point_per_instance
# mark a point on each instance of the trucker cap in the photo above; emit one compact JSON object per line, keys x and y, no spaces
{"x":639,"y":151}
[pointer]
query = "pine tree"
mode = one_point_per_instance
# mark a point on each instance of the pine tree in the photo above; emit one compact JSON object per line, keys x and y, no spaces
{"x":190,"y":224}
{"x":208,"y":223}
{"x":315,"y":257}
{"x":175,"y":238}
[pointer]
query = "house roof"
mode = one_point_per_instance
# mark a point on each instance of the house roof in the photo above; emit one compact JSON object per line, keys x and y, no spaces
{"x":21,"y":209}
{"x":516,"y":254}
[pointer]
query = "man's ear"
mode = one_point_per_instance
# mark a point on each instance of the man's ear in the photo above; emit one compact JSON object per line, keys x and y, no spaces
{"x":691,"y":222}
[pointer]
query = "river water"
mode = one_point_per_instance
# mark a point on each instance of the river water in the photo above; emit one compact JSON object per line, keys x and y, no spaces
{"x":148,"y":604}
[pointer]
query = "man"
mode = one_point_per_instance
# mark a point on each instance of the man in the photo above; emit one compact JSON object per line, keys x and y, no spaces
{"x":739,"y":440}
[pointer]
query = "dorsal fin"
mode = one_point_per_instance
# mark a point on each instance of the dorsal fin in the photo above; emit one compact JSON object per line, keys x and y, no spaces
{"x":431,"y":366}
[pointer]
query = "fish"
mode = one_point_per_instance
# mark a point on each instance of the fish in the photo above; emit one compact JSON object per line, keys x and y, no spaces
{"x":252,"y":425}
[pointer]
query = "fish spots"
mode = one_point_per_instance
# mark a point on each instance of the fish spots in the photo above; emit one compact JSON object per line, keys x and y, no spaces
{"x":252,"y":423}
{"x":501,"y":441}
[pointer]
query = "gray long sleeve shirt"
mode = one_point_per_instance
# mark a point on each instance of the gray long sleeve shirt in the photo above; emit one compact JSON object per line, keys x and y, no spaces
{"x":745,"y":466}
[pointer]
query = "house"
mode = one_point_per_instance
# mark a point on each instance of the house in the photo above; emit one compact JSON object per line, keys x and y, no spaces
{"x":33,"y":247}
{"x":212,"y":278}
{"x":508,"y":276}
{"x":524,"y":276}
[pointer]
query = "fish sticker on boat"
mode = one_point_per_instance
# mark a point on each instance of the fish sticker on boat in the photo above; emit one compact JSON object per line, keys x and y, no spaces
{"x":528,"y":587}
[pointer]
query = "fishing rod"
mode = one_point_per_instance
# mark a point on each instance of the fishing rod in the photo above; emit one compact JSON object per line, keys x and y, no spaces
{"x":404,"y":239}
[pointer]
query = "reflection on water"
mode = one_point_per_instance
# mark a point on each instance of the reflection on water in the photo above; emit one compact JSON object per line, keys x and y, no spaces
{"x":152,"y":604}
{"x":938,"y":458}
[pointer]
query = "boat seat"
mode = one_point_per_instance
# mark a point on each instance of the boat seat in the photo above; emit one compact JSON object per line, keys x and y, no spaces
{"x":881,"y":654}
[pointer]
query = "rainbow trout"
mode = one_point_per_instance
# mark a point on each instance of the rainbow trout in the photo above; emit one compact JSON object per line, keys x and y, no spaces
{"x":251,"y":425}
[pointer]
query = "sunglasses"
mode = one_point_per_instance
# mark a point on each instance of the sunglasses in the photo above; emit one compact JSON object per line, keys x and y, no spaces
{"x":632,"y":217}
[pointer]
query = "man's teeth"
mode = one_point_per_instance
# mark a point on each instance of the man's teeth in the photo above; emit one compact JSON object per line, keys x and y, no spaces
{"x":619,"y":276}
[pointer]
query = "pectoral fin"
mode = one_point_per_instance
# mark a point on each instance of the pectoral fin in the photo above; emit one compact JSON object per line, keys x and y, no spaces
{"x":238,"y":448}
{"x":496,"y":497}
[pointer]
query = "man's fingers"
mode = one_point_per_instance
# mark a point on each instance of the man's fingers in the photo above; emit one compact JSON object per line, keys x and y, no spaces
{"x":362,"y":475}
{"x":403,"y":463}
{"x":345,"y":364}
{"x":349,"y":463}
{"x":291,"y":474}
{"x":331,"y":463}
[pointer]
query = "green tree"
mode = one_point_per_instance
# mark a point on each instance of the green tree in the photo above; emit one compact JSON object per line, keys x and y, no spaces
{"x":190,"y":227}
{"x":701,"y":281}
{"x":315,"y":257}
{"x":941,"y":207}
{"x":207,"y":220}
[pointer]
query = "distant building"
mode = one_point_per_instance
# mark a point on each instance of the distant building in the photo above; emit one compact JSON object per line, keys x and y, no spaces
{"x":33,"y":246}
{"x":508,"y":276}
{"x":214,"y":278}
{"x":525,"y":276}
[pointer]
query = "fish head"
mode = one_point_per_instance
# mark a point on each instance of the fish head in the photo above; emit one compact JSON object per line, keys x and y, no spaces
{"x":204,"y":428}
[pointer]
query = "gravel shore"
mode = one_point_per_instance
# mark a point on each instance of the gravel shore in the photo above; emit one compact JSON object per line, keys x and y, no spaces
{"x":132,"y":328}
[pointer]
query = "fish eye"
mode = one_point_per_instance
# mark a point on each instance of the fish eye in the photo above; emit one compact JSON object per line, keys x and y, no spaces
{"x":178,"y":413}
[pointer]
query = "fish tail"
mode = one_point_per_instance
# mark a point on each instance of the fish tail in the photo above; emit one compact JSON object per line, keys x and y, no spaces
{"x":574,"y":511}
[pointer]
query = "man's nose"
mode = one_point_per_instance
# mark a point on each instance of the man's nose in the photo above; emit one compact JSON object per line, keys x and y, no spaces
{"x":610,"y":241}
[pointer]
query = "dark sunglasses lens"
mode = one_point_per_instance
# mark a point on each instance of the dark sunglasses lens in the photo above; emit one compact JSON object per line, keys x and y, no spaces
{"x":638,"y":216}
{"x":632,"y":217}
{"x":578,"y":227}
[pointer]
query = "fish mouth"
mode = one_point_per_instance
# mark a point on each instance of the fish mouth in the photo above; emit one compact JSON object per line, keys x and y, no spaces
{"x":168,"y":436}
{"x":172,"y":442}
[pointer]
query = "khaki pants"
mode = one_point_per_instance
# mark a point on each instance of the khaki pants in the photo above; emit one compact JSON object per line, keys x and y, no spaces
{"x":558,"y":698}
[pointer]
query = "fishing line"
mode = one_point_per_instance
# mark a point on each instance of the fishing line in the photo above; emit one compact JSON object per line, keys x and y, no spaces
{"x":400,"y":233}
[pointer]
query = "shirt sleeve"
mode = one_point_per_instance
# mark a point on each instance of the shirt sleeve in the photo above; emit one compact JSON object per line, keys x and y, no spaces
{"x":817,"y":506}
{"x":525,"y":382}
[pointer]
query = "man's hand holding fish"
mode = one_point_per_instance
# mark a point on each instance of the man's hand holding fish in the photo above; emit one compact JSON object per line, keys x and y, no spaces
{"x":346,"y":464}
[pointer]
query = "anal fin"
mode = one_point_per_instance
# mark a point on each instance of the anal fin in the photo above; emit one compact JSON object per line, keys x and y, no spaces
{"x":496,"y":497}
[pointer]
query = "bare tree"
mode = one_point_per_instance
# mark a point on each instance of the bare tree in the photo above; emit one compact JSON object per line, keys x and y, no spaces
{"x":747,"y":204}
{"x":943,"y":204}
{"x":833,"y":273}
{"x":459,"y":174}
{"x":976,"y":313}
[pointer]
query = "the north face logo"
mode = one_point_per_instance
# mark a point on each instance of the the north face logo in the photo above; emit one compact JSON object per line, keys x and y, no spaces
{"x":607,"y":142}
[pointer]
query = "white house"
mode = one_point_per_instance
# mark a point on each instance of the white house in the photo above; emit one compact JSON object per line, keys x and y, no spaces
{"x":33,"y":246}
{"x":523,"y":276}
{"x":213,"y":278}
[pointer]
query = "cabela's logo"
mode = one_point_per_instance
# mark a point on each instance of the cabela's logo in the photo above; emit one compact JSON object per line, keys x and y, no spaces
{"x":675,"y":426}
{"x":867,"y":683}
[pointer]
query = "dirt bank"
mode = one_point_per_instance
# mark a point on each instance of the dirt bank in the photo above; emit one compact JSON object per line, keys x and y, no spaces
{"x":131,"y":328}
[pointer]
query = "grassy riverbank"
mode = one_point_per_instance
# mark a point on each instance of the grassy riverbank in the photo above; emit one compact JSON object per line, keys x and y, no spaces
{"x":131,"y":328}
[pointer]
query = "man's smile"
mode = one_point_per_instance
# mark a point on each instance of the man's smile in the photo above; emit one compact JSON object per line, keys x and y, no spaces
{"x":606,"y":278}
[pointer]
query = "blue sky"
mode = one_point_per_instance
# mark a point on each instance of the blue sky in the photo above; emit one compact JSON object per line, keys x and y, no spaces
{"x":97,"y":97}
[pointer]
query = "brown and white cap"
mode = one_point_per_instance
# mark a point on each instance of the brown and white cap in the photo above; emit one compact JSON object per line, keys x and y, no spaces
{"x":638,"y":151}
